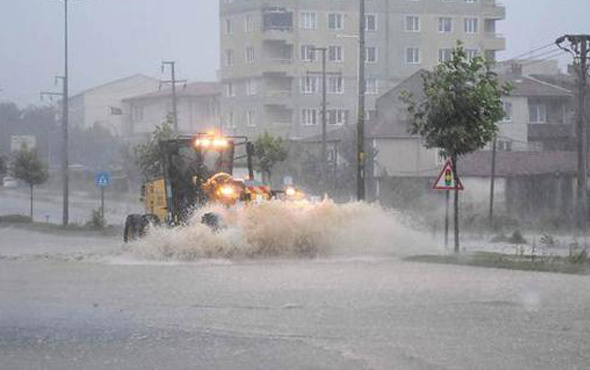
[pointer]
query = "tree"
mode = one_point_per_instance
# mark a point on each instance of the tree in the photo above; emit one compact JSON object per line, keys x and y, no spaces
{"x":3,"y":166}
{"x":27,"y":167}
{"x":148,"y":155}
{"x":269,"y":150}
{"x":459,"y":111}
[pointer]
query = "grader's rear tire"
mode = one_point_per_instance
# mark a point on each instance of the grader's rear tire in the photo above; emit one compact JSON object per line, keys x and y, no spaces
{"x":137,"y":226}
{"x":212,"y":220}
{"x":132,"y":229}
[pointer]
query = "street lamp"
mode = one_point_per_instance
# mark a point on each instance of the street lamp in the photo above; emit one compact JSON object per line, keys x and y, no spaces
{"x":65,"y":156}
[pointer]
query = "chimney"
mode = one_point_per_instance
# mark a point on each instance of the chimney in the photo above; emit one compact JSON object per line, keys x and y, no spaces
{"x":516,"y":69}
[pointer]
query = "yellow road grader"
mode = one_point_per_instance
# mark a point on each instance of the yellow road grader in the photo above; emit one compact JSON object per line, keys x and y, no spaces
{"x":197,"y":171}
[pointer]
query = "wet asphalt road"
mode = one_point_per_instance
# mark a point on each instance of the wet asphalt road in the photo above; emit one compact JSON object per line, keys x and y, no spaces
{"x":90,"y":307}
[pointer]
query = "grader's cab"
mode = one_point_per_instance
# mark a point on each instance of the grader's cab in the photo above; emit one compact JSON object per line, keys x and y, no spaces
{"x":195,"y":170}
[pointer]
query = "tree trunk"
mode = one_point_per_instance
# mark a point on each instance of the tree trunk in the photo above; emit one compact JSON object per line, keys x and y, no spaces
{"x":456,"y":203}
{"x":31,"y":203}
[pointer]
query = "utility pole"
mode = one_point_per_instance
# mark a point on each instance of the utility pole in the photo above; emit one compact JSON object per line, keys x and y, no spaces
{"x":324,"y":152}
{"x":173,"y":81}
{"x":493,"y":182}
{"x":65,"y":146}
{"x":579,"y":47}
{"x":50,"y":95}
{"x":360,"y":175}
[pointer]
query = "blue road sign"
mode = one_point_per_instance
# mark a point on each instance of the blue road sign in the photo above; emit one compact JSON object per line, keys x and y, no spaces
{"x":102,"y":179}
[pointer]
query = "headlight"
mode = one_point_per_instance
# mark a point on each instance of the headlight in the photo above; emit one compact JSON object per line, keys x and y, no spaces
{"x":227,"y":191}
{"x":290,"y":192}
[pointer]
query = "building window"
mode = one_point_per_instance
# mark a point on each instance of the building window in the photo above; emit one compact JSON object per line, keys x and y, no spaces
{"x":335,"y":53}
{"x":230,"y":91}
{"x":309,"y":117}
{"x":371,"y":86}
{"x":538,"y":113}
{"x":508,"y":112}
{"x":471,"y":25}
{"x":307,"y":53}
{"x":412,"y":55}
{"x":309,"y":85}
{"x":249,"y":55}
{"x":445,"y":25}
{"x":251,"y":118}
{"x":136,"y":113}
{"x":444,"y":55}
{"x":371,"y":54}
{"x":308,"y":20}
{"x":504,"y":146}
{"x":335,"y":85}
{"x":335,"y":21}
{"x":471,"y":53}
{"x":249,"y":23}
{"x":370,"y":115}
{"x":229,"y":120}
{"x":490,"y":55}
{"x":412,"y":23}
{"x":228,"y":26}
{"x":370,"y":22}
{"x":229,"y":58}
{"x":251,"y":87}
{"x":336,"y":117}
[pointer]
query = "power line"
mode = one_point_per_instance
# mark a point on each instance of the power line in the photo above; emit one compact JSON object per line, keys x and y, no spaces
{"x":547,"y":57}
{"x":530,"y":52}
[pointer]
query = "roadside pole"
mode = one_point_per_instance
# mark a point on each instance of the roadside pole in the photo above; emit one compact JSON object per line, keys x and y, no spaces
{"x":448,"y":197}
{"x":102,"y":202}
{"x":101,"y":181}
{"x":449,"y":181}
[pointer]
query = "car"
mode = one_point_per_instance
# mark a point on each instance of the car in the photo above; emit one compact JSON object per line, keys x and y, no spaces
{"x":10,"y":182}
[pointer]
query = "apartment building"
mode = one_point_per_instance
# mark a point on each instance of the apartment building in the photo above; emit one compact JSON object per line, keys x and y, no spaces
{"x":271,"y":67}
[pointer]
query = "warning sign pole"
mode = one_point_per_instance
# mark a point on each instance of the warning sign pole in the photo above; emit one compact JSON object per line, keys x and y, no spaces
{"x":448,"y":181}
{"x":448,"y":196}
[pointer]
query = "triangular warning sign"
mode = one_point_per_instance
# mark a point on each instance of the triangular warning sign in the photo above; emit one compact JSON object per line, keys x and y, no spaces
{"x":446,"y":179}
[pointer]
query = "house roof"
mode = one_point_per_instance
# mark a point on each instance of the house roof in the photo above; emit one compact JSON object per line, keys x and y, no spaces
{"x":531,"y":87}
{"x":120,"y":80}
{"x":193,"y":89}
{"x":382,"y":127}
{"x":510,"y":164}
{"x":523,"y":86}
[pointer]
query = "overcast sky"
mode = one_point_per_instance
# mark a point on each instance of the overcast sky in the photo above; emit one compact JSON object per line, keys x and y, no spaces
{"x":111,"y":39}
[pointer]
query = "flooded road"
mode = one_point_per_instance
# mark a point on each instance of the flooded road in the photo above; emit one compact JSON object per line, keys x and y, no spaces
{"x":105,"y":309}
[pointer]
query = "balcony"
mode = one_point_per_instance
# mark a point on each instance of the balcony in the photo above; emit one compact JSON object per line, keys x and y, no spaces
{"x":494,"y":10}
{"x":278,"y":97}
{"x":548,"y":131}
{"x":277,"y":65}
{"x":277,"y":22}
{"x":494,"y":41}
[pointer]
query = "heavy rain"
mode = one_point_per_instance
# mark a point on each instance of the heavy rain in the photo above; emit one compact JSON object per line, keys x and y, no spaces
{"x":294,"y":184}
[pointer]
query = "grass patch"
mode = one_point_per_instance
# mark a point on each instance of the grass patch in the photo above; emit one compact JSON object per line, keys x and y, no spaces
{"x":70,"y":230}
{"x":15,"y":219}
{"x":564,"y":265}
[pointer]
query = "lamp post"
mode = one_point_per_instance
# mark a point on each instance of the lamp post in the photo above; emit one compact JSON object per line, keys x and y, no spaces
{"x":65,"y":105}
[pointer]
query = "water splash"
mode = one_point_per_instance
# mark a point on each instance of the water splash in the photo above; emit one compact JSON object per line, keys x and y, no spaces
{"x":285,"y":230}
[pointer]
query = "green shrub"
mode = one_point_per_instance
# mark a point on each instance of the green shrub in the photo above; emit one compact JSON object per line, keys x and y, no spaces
{"x":16,"y":219}
{"x":517,"y":238}
{"x":96,"y":221}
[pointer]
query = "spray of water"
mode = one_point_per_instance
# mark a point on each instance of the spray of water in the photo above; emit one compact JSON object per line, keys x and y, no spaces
{"x":285,"y":230}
